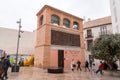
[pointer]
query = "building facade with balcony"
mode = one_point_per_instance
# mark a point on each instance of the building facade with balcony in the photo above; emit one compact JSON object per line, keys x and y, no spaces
{"x":115,"y":12}
{"x":59,"y":38}
{"x":93,"y":29}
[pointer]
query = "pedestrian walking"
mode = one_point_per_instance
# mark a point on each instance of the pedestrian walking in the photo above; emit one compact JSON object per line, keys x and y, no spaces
{"x":93,"y":67}
{"x":72,"y":65}
{"x":106,"y":66}
{"x":114,"y":65}
{"x":6,"y":64}
{"x":91,"y":63}
{"x":79,"y":65}
{"x":1,"y":67}
{"x":87,"y":66}
{"x":100,"y":68}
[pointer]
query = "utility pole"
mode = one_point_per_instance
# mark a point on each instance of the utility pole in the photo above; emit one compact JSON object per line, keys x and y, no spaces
{"x":18,"y":22}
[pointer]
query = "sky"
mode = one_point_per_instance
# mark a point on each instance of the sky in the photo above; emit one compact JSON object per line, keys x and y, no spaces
{"x":12,"y":10}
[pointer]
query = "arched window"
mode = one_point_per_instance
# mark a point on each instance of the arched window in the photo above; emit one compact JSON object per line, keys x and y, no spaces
{"x":55,"y":19}
{"x":66,"y":23}
{"x":75,"y":25}
{"x":41,"y":20}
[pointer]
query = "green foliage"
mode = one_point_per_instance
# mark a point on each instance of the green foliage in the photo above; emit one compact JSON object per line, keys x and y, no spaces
{"x":107,"y":47}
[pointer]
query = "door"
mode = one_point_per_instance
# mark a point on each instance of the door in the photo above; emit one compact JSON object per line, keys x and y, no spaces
{"x":61,"y":58}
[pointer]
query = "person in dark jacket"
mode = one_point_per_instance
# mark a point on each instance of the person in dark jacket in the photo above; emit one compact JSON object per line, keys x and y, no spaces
{"x":91,"y":63}
{"x":87,"y":65}
{"x":106,"y":67}
{"x":78,"y":65}
{"x":6,"y":65}
{"x":1,"y":67}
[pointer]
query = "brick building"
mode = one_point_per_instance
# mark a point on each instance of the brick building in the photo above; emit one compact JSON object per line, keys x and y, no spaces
{"x":59,"y":38}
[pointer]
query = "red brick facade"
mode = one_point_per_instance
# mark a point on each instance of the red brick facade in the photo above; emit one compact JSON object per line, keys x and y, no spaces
{"x":46,"y":53}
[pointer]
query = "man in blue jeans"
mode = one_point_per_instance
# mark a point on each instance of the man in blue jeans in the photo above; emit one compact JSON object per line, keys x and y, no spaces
{"x":6,"y":64}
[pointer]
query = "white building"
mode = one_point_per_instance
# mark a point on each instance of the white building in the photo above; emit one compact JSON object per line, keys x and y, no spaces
{"x":115,"y":12}
{"x":92,"y":30}
{"x":8,"y":41}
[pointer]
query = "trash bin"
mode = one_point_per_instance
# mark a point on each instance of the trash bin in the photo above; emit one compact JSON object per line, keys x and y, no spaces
{"x":15,"y":69}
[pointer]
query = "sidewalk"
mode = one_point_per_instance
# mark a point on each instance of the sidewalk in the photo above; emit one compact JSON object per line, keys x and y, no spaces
{"x":32,"y":73}
{"x":113,"y":73}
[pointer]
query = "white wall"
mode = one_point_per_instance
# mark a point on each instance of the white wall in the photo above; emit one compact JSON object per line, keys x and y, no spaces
{"x":8,"y":41}
{"x":115,"y":12}
{"x":95,"y":33}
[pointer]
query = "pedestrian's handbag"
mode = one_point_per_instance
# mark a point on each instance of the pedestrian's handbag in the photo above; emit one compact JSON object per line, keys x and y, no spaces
{"x":74,"y":65}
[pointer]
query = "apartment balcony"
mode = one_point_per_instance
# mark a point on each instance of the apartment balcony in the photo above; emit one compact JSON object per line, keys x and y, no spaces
{"x":89,"y":36}
{"x":104,"y":32}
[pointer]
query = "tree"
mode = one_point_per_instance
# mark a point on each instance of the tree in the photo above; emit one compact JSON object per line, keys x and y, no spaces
{"x":107,"y":48}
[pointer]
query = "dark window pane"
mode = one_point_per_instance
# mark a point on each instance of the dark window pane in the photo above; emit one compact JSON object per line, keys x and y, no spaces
{"x":55,"y":19}
{"x":66,"y":23}
{"x":41,"y":20}
{"x":89,"y":44}
{"x":75,"y":26}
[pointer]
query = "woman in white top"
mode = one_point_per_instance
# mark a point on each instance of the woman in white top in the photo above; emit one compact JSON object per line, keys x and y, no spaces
{"x":72,"y":65}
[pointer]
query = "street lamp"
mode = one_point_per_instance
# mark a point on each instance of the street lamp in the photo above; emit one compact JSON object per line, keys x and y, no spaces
{"x":16,"y":67}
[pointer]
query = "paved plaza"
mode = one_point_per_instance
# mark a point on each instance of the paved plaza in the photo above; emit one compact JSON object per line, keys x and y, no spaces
{"x":32,"y":73}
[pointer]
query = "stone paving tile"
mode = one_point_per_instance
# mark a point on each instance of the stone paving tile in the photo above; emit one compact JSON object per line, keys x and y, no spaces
{"x":32,"y":73}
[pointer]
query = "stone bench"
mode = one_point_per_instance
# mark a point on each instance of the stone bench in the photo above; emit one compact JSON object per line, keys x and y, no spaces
{"x":55,"y":70}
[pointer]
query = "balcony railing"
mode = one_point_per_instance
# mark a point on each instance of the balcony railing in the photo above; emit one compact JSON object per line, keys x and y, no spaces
{"x":89,"y":36}
{"x":103,"y":33}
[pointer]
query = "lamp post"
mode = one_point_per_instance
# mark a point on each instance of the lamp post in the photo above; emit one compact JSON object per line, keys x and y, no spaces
{"x":17,"y":67}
